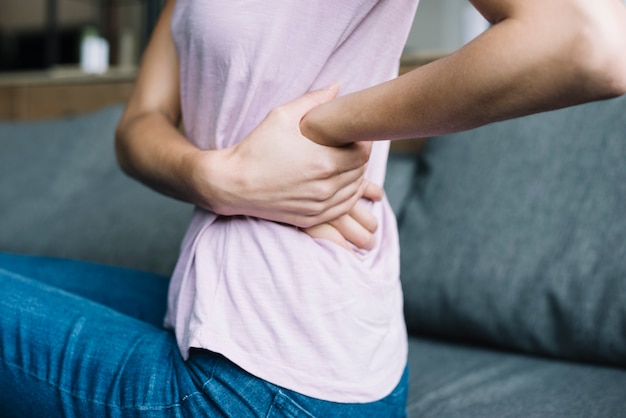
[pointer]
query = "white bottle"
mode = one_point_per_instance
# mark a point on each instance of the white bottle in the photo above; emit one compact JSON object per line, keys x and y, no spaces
{"x":94,"y":53}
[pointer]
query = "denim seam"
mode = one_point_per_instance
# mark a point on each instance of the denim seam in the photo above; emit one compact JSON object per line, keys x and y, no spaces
{"x":289,"y":403}
{"x":104,"y":404}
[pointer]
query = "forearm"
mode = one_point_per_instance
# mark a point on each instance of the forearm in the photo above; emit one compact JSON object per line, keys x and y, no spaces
{"x":151,"y":149}
{"x":524,"y":64}
{"x":274,"y":173}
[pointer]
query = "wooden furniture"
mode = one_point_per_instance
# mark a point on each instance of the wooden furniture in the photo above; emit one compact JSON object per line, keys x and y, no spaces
{"x":65,"y":92}
{"x":411,"y":61}
{"x":58,"y":93}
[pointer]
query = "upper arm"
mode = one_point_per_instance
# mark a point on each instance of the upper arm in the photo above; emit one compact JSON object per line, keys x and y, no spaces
{"x":587,"y":35}
{"x":555,"y":11}
{"x":157,"y":87}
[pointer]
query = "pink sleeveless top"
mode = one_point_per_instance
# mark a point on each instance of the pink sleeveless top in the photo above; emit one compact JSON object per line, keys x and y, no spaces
{"x":299,"y":312}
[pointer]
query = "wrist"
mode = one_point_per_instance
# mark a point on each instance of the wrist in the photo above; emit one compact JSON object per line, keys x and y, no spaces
{"x":316,"y":125}
{"x":212,"y":180}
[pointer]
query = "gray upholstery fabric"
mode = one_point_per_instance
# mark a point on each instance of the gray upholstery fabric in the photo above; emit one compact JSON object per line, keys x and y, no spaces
{"x":400,"y":171}
{"x":62,"y":194}
{"x":456,"y":381}
{"x":515,"y":234}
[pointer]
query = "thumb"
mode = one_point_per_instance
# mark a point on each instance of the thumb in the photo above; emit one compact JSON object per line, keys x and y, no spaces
{"x":314,"y":98}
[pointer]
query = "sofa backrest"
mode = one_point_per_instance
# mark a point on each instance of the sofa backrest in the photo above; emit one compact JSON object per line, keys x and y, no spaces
{"x":514,"y":234}
{"x":62,"y":194}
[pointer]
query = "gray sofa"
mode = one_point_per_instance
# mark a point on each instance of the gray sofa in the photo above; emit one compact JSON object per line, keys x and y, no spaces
{"x":513,"y":249}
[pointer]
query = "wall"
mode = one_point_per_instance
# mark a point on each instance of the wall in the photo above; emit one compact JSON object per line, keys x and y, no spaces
{"x":31,"y":14}
{"x":23,"y":26}
{"x":444,"y":25}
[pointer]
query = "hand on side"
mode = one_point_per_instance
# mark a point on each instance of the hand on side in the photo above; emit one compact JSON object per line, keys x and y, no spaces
{"x":274,"y":173}
{"x":357,"y":227}
{"x":278,"y":174}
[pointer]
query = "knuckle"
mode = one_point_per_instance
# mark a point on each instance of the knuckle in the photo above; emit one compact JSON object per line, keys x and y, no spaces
{"x":280,"y":113}
{"x":315,"y":209}
{"x":313,"y":98}
{"x":364,"y":149}
{"x":364,"y":158}
{"x":326,"y":168}
{"x":305,"y":224}
{"x":325,"y":192}
{"x":309,"y":222}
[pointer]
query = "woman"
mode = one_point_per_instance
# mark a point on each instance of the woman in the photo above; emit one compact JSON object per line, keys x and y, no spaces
{"x":286,"y":299}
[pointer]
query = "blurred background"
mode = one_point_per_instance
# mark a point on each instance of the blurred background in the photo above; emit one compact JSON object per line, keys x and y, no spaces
{"x":47,"y":34}
{"x":441,"y":26}
{"x":61,"y":56}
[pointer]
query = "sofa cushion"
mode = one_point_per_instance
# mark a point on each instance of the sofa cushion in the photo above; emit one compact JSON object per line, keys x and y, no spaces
{"x":62,"y":194}
{"x":60,"y":177}
{"x":514,"y":234}
{"x":451,"y":380}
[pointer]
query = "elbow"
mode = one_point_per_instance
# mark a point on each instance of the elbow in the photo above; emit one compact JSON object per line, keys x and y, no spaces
{"x":616,"y":73}
{"x":605,"y":68}
{"x":121,"y":149}
{"x":600,"y":56}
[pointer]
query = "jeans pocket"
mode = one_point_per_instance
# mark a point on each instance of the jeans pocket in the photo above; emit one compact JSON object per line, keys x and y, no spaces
{"x":285,"y":407}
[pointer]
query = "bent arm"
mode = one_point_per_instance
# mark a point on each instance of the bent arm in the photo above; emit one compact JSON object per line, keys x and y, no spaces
{"x":148,"y":145}
{"x":274,"y":173}
{"x":538,"y":55}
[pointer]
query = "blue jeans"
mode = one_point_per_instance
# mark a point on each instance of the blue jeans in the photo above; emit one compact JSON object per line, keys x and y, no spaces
{"x":85,"y":340}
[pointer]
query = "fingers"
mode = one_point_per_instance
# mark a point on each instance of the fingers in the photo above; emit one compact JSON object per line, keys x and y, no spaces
{"x":357,"y":227}
{"x":372,"y":191}
{"x":361,"y":214}
{"x":345,"y":202}
{"x":350,"y":157}
{"x":353,"y":231}
{"x":338,"y":205}
{"x":303,"y":104}
{"x":327,"y":231}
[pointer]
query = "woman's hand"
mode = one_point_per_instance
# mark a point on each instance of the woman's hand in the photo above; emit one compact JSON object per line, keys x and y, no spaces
{"x":281,"y":175}
{"x":276,"y":173}
{"x":357,"y":227}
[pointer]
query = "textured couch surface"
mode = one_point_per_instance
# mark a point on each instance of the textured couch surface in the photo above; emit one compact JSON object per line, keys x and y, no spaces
{"x":513,"y":249}
{"x":63,"y":195}
{"x":513,"y":237}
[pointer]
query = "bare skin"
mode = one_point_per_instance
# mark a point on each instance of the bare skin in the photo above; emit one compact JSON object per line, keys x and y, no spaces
{"x":538,"y":55}
{"x":274,"y":173}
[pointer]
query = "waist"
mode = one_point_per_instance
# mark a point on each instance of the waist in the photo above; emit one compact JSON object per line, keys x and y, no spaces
{"x":297,"y":311}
